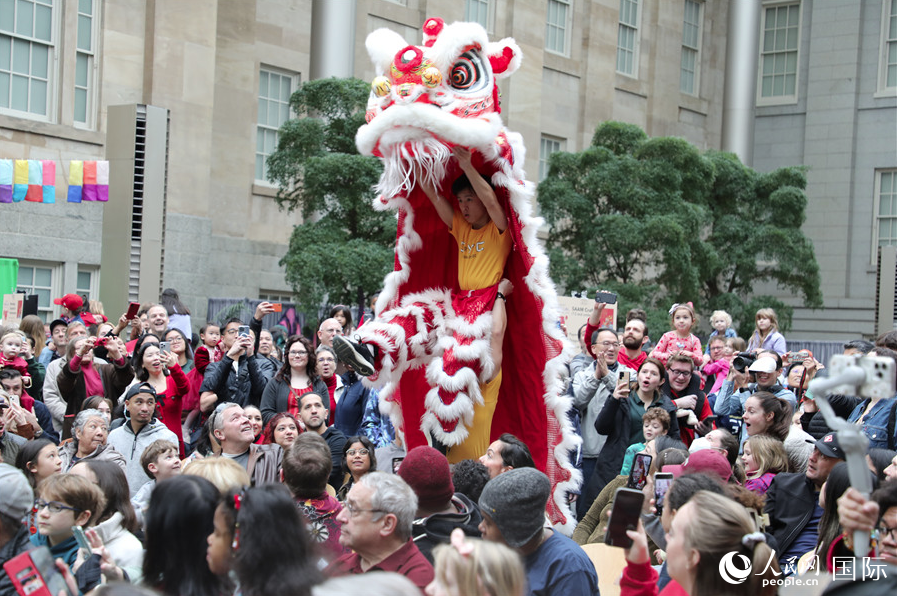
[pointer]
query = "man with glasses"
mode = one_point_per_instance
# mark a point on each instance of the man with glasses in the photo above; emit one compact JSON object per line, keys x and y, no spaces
{"x":140,"y":430}
{"x":591,"y":388}
{"x":233,"y":431}
{"x":314,"y":415}
{"x":376,"y":520}
{"x":238,"y":377}
{"x":684,"y":389}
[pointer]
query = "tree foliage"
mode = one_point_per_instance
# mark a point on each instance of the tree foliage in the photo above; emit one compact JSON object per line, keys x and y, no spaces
{"x":660,"y":222}
{"x":343,"y":248}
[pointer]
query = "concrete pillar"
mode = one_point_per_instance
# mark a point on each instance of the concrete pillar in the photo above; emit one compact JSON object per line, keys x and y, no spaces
{"x":742,"y":52}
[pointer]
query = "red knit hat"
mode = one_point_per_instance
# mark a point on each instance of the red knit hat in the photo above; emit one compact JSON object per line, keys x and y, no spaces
{"x":426,"y":471}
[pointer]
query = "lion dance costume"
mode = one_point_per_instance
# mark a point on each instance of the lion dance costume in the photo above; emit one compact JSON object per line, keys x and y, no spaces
{"x":435,"y":352}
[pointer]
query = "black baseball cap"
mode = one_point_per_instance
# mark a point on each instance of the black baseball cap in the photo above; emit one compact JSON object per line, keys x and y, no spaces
{"x":829,"y":446}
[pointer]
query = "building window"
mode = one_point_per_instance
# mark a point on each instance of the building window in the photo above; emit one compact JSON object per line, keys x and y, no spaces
{"x":38,"y":279}
{"x":627,"y":38}
{"x":547,"y":146}
{"x":886,"y":213}
{"x":275,"y":296}
{"x":86,"y":284}
{"x":778,"y":57}
{"x":556,"y":26}
{"x":26,"y":56}
{"x":689,"y":66}
{"x":479,"y":11}
{"x":84,"y":61}
{"x":889,"y":46}
{"x":275,"y":89}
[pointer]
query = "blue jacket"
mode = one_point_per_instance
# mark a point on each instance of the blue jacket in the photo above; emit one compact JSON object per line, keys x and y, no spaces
{"x":877,"y":421}
{"x":350,"y":407}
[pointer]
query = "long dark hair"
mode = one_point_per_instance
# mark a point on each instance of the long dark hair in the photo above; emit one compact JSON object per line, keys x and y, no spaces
{"x":346,"y":312}
{"x":114,"y":484}
{"x":781,"y":414}
{"x":172,"y":302}
{"x":829,"y":525}
{"x":268,"y":433}
{"x":367,"y":445}
{"x":286,"y":371}
{"x":137,"y":362}
{"x":178,"y":523}
{"x":266,"y":561}
{"x":28,"y":453}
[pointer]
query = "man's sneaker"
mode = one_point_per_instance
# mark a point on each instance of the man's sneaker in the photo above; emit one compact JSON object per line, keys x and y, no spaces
{"x":359,"y":356}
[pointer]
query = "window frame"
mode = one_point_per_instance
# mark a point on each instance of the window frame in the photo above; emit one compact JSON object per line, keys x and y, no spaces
{"x":773,"y":100}
{"x":883,"y":90}
{"x":876,"y":205}
{"x":636,"y":38}
{"x":696,"y":75}
{"x":53,"y":73}
{"x":295,"y":80}
{"x":52,"y":310}
{"x":545,"y":139}
{"x":489,"y":25}
{"x":565,"y":30}
{"x":91,"y":90}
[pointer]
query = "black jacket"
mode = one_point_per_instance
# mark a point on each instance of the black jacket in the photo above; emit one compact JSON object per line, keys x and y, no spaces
{"x":613,"y":421}
{"x":814,"y":423}
{"x":277,"y":393}
{"x":790,"y":502}
{"x":435,"y":529}
{"x":244,"y":386}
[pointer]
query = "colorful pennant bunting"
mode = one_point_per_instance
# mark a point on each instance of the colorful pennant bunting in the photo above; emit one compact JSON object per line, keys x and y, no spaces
{"x":88,"y":181}
{"x":27,"y":180}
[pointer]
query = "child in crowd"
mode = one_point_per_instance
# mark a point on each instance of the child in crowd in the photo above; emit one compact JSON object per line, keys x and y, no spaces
{"x":11,"y":354}
{"x":472,"y":567}
{"x":680,"y":338}
{"x":721,"y":322}
{"x":65,"y":500}
{"x":734,"y":345}
{"x":764,"y":457}
{"x":160,"y":461}
{"x":210,"y":351}
{"x":717,"y":364}
{"x":766,"y":334}
{"x":655,"y":423}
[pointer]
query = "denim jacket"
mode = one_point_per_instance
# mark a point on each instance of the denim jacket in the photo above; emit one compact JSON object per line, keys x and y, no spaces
{"x":875,"y":424}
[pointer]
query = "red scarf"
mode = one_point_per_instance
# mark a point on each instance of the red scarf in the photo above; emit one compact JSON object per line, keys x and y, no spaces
{"x":331,"y":389}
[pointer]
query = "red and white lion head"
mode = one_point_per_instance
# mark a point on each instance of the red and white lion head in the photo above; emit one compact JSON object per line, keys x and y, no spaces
{"x":427,"y":99}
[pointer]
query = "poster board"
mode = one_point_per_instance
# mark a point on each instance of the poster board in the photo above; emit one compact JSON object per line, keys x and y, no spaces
{"x":574,"y":313}
{"x":13,"y":304}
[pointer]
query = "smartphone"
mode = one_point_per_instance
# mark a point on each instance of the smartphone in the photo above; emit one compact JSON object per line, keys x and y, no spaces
{"x":34,"y":573}
{"x":638,"y":475}
{"x":133,"y":307}
{"x":243,"y":330}
{"x":164,"y":346}
{"x":396,"y":462}
{"x":624,"y":516}
{"x":710,"y":419}
{"x":662,"y":482}
{"x":277,"y":306}
{"x":605,"y":297}
{"x":81,"y":539}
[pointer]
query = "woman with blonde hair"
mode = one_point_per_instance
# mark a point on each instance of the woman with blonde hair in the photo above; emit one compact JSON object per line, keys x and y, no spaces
{"x":766,"y":334}
{"x":471,"y":567}
{"x":706,"y":533}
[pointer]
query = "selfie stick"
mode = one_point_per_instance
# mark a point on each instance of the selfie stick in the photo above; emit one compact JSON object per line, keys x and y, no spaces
{"x":850,"y":437}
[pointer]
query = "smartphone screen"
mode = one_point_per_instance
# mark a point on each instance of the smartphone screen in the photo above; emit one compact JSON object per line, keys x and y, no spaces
{"x":662,"y":482}
{"x":396,"y":462}
{"x":638,"y":475}
{"x":624,"y":516}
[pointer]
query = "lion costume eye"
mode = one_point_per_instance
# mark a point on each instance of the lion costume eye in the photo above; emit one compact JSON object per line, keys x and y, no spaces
{"x":467,"y":73}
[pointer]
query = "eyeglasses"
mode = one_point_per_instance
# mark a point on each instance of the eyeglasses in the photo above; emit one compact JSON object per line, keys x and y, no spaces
{"x":678,"y":373}
{"x":297,"y":353}
{"x":175,"y":339}
{"x":355,"y":511}
{"x":609,"y":344}
{"x":885,"y":531}
{"x":231,"y":332}
{"x":325,"y":360}
{"x":717,"y":348}
{"x":357,"y":452}
{"x":53,"y":506}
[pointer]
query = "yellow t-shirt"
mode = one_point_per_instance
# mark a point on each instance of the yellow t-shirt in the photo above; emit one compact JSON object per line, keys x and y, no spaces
{"x":484,"y":252}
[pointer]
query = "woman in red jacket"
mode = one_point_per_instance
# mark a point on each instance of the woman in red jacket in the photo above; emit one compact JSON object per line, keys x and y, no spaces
{"x":162,"y":371}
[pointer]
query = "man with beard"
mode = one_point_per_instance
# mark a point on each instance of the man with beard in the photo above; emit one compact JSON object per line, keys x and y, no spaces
{"x":634,"y":334}
{"x":314,"y":415}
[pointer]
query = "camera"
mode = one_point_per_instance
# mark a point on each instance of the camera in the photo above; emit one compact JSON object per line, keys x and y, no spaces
{"x":742,"y":361}
{"x":101,"y":341}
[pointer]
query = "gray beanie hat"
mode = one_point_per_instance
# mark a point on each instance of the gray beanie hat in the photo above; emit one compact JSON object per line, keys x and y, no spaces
{"x":17,"y":497}
{"x":515,"y":501}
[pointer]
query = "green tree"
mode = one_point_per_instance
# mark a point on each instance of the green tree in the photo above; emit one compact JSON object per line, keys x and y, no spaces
{"x":660,"y":222}
{"x":343,"y":248}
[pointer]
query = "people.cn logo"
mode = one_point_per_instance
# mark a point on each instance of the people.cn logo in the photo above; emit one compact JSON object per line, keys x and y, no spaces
{"x":734,"y":572}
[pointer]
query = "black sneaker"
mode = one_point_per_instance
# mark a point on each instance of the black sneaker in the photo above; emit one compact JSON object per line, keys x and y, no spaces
{"x":359,"y":356}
